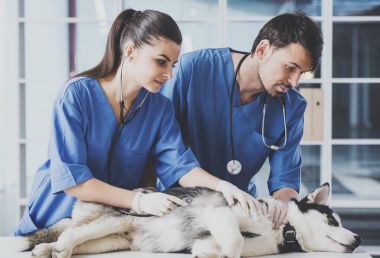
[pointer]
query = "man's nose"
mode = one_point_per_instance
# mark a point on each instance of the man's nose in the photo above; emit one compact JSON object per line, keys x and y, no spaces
{"x":294,"y":79}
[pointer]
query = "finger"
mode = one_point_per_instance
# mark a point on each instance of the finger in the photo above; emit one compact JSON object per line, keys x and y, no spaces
{"x":229,"y":200}
{"x":286,"y":221}
{"x":276,"y":216}
{"x":251,"y":202}
{"x":243,"y":203}
{"x":284,"y":214}
{"x":251,"y":208}
{"x":277,"y":223}
{"x":177,"y":200}
{"x":170,"y":205}
{"x":264,"y":206}
{"x":258,"y":207}
{"x":282,"y":218}
{"x":271,"y":208}
{"x":164,"y":209}
{"x":157,"y":213}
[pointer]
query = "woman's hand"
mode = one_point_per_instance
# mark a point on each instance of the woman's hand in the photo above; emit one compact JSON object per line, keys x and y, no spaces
{"x":248,"y":203}
{"x":156,"y":204}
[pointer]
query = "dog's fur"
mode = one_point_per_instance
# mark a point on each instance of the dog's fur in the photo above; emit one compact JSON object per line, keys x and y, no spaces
{"x":207,"y":227}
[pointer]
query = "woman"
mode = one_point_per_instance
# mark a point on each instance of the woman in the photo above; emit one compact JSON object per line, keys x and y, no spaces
{"x":107,"y":123}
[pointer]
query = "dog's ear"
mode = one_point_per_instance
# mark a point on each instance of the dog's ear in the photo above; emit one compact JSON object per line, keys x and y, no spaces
{"x":320,"y":195}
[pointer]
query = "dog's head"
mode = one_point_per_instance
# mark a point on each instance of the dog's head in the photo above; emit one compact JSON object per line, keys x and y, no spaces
{"x":317,"y":227}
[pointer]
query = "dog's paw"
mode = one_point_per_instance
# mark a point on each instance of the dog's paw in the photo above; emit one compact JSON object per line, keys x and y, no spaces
{"x":66,"y":253}
{"x":205,"y":255}
{"x":42,"y":250}
{"x":233,"y":248}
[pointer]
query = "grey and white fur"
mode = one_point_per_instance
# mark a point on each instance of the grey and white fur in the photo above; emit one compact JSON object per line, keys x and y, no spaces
{"x":207,"y":227}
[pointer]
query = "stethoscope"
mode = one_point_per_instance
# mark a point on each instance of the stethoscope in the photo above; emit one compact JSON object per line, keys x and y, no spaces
{"x":123,"y":121}
{"x":234,"y":166}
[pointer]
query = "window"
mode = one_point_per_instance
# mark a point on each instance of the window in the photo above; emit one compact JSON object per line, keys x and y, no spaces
{"x":59,"y":38}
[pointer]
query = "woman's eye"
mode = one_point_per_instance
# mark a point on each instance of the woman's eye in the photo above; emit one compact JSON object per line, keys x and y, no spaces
{"x":161,"y":62}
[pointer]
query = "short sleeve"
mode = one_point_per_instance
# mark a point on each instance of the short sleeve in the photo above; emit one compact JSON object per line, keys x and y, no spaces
{"x":67,"y":145}
{"x":172,"y":159}
{"x":286,"y":163}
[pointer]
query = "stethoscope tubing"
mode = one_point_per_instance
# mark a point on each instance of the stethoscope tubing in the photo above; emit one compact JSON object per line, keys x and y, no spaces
{"x":231,"y":104}
{"x":272,"y":147}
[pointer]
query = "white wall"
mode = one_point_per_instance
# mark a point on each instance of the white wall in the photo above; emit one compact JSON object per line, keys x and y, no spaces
{"x":2,"y":92}
{"x":8,"y":94}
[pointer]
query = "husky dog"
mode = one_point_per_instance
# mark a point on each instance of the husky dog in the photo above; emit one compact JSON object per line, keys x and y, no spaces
{"x":207,"y":227}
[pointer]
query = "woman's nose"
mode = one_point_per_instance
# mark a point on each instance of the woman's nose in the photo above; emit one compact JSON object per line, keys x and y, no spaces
{"x":168,"y":75}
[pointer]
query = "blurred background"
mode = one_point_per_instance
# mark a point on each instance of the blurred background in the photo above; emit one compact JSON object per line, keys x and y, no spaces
{"x":44,"y":42}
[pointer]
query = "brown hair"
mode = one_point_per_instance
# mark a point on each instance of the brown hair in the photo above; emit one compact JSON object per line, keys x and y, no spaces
{"x":288,"y":28}
{"x":138,"y":27}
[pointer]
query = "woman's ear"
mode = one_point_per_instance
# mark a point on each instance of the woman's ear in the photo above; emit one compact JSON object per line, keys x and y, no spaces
{"x":129,"y":50}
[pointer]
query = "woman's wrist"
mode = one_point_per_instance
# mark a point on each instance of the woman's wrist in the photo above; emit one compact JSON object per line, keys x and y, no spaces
{"x":136,"y":201}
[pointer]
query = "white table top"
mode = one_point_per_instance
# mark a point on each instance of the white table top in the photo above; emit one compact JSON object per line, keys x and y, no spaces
{"x":8,"y":247}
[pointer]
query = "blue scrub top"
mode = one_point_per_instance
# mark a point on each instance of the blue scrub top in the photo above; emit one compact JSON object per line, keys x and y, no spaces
{"x":82,"y":129}
{"x":200,"y":92}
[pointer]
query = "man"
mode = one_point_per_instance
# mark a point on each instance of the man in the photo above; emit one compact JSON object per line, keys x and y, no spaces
{"x":220,"y":95}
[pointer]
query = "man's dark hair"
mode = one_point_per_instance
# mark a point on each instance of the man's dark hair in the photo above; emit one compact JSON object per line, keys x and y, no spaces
{"x":288,"y":28}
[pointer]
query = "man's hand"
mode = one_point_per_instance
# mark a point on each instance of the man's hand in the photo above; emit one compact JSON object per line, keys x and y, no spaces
{"x":277,"y":211}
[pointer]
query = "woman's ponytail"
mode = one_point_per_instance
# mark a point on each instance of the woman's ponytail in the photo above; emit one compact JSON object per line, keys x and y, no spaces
{"x":137,"y":27}
{"x":112,"y":56}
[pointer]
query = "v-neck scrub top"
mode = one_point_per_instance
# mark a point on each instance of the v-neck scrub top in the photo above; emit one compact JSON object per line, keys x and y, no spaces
{"x":83,"y":125}
{"x":200,"y":92}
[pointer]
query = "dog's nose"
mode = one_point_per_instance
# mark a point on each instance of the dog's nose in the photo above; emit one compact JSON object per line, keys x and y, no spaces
{"x":358,"y":241}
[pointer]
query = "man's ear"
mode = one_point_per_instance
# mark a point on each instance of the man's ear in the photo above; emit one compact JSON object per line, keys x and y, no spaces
{"x":320,"y":195}
{"x":264,"y":47}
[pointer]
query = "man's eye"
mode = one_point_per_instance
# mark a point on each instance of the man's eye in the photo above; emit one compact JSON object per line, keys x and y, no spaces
{"x":290,"y":68}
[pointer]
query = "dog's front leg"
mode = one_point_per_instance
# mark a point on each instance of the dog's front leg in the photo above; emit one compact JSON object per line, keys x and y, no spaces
{"x":224,"y":228}
{"x":116,"y":242}
{"x":205,"y":248}
{"x":100,"y":227}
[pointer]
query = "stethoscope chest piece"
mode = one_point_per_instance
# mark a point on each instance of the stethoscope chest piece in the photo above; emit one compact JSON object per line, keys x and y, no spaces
{"x":234,"y":167}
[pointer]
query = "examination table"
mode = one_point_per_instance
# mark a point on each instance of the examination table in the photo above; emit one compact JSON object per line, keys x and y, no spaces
{"x":8,"y":245}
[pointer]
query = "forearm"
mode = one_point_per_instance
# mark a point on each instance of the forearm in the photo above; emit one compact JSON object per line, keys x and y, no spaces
{"x":199,"y":177}
{"x":94,"y":190}
{"x":285,"y":194}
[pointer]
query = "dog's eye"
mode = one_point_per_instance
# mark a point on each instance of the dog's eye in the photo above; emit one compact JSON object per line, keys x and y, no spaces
{"x":331,"y":221}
